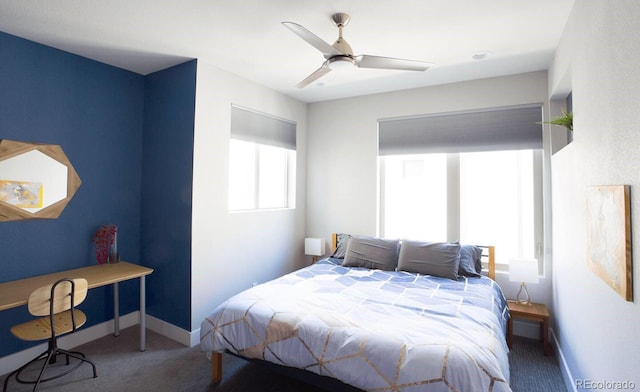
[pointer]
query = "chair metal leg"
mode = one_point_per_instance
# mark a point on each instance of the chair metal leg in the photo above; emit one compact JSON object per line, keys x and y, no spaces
{"x":49,"y":358}
{"x":21,"y":368}
{"x":46,"y":363}
{"x":81,"y":357}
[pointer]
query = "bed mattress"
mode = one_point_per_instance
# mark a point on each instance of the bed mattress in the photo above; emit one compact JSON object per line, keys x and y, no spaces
{"x":375,"y":330}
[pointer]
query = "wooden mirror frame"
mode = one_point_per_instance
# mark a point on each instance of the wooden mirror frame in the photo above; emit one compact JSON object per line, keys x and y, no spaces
{"x":12,"y":148}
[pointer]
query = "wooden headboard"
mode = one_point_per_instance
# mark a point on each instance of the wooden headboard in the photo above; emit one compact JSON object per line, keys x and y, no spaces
{"x":490,"y":255}
{"x":488,"y":252}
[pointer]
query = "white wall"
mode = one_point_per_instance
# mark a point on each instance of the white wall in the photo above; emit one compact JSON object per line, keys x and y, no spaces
{"x":342,"y":174}
{"x":597,"y":329}
{"x":230,"y":251}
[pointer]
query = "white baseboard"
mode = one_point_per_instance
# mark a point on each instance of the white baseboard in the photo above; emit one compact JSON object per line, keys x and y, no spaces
{"x":569,"y":381}
{"x":172,"y":332}
{"x":195,"y":338}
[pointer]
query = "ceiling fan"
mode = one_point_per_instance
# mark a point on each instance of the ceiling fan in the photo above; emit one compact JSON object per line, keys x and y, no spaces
{"x":340,"y":53}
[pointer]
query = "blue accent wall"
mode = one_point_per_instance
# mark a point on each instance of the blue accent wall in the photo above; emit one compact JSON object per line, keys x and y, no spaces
{"x":97,"y":113}
{"x":167,"y":174}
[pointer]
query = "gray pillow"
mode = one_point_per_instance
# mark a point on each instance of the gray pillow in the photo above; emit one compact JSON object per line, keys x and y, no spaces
{"x":371,"y":252}
{"x":470,"y":261}
{"x":430,"y":258}
{"x":341,"y":246}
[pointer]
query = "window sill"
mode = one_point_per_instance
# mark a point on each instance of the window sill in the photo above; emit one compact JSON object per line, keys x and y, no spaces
{"x":257,"y":210}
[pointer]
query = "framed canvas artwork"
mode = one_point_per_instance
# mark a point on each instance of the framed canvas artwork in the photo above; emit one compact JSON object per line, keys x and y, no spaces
{"x":609,"y":236}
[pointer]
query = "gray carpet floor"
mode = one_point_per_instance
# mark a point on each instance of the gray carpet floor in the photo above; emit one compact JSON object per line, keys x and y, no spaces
{"x":169,"y":366}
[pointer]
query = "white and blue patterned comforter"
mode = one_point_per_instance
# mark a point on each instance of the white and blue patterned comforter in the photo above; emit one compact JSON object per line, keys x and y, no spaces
{"x":376,"y":330}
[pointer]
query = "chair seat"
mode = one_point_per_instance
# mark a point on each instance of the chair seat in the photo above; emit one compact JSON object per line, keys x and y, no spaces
{"x":40,"y":329}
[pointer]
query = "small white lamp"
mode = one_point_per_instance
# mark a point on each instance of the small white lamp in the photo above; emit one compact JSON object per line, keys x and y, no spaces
{"x":524,"y":271}
{"x":314,"y":247}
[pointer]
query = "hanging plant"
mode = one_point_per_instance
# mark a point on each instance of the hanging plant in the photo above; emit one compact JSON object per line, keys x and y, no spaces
{"x":566,"y":120}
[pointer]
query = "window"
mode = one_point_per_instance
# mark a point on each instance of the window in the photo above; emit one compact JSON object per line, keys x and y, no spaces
{"x":414,"y":197}
{"x":262,"y":161}
{"x":454,"y":187}
{"x":500,"y":194}
{"x":485,"y":198}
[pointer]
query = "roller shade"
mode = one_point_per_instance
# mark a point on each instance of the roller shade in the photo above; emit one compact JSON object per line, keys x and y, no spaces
{"x":506,"y":128}
{"x":259,"y":128}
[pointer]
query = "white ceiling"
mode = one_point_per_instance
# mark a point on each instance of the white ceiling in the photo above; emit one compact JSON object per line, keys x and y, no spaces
{"x":246,"y":37}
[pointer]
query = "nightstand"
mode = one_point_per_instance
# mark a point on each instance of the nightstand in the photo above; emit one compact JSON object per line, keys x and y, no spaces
{"x":533,"y":312}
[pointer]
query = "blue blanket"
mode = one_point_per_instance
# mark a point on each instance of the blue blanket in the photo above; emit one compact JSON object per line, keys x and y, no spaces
{"x":376,"y":330}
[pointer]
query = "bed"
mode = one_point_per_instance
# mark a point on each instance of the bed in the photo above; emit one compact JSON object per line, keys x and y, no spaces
{"x":373,"y":326}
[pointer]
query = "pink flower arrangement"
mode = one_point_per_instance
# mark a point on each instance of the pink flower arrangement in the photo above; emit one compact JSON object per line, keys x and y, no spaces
{"x":105,"y":242}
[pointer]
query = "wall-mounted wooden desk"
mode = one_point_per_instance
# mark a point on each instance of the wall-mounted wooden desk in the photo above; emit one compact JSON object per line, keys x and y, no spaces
{"x":16,"y":293}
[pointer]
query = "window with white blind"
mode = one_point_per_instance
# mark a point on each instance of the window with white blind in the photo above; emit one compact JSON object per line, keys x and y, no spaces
{"x":262,"y":161}
{"x":441,"y":180}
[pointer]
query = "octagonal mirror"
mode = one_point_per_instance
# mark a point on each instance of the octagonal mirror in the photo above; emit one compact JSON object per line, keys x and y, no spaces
{"x":37,"y":181}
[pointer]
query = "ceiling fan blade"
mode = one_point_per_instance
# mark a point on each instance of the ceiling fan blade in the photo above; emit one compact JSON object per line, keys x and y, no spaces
{"x":317,"y":74}
{"x":312,"y":39}
{"x":366,"y":61}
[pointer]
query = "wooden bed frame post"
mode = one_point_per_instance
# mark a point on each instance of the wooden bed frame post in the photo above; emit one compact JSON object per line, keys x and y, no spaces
{"x":492,"y":262}
{"x":216,"y":367}
{"x":334,"y":242}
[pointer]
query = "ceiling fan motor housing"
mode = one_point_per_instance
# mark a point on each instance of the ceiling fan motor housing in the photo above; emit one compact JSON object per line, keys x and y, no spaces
{"x":340,"y":54}
{"x":341,"y":45}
